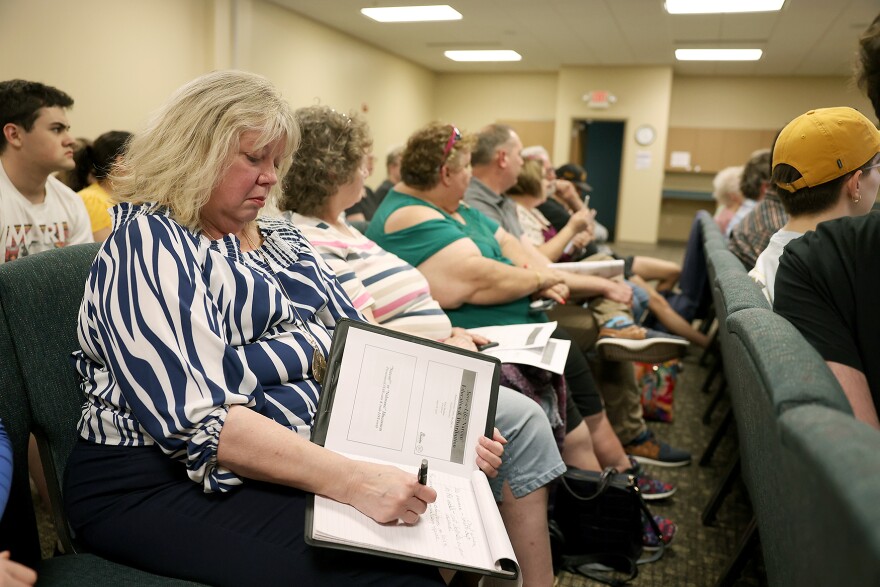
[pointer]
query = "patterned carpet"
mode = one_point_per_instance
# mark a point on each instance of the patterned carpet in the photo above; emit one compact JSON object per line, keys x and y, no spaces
{"x":699,"y":553}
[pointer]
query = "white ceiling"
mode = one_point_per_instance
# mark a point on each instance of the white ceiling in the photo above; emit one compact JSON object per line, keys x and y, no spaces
{"x":805,"y":38}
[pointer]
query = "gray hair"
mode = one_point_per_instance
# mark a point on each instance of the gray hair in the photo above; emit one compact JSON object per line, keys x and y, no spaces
{"x":725,"y":183}
{"x":488,"y":141}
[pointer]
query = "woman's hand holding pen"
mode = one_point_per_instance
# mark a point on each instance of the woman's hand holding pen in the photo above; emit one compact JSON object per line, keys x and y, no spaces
{"x":489,"y":453}
{"x":388,"y":494}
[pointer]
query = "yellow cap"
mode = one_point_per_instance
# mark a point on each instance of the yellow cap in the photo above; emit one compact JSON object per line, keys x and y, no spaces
{"x":825,"y":144}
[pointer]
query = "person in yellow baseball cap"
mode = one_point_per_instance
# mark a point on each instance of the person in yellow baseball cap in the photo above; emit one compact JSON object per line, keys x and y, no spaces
{"x":824,"y":168}
{"x":827,"y":166}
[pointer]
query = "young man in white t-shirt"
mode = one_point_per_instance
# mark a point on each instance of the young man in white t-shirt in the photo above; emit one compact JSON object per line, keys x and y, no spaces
{"x":37,"y":212}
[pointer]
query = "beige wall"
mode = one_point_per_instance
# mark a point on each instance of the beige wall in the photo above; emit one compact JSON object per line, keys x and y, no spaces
{"x":106,"y":54}
{"x":119,"y":69}
{"x":474,"y":100}
{"x":312,"y":64}
{"x":643,"y":95}
{"x":760,"y":103}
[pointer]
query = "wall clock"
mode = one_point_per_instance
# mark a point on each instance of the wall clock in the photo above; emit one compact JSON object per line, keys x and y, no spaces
{"x":645,"y":135}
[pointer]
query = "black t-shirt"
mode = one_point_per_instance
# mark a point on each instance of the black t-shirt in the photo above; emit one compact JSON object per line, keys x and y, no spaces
{"x":558,"y":216}
{"x":556,"y":213}
{"x":366,"y":206}
{"x":827,"y":286}
{"x":382,"y":191}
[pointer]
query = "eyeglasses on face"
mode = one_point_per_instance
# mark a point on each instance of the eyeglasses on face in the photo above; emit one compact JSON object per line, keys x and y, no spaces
{"x":874,"y":165}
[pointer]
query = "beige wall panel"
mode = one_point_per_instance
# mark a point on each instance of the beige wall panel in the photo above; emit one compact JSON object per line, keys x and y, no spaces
{"x":757,"y":102}
{"x":739,"y":145}
{"x":533,"y":132}
{"x":313,"y":64}
{"x":676,"y":217}
{"x":643,"y":95}
{"x":118,"y":60}
{"x":707,"y":154}
{"x":472,"y":101}
{"x":680,"y":140}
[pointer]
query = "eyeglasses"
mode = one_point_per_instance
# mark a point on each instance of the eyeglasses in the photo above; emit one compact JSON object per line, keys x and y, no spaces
{"x":454,"y":137}
{"x":870,"y":167}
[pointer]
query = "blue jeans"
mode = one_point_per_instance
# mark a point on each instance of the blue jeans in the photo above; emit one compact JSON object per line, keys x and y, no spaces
{"x":531,"y":458}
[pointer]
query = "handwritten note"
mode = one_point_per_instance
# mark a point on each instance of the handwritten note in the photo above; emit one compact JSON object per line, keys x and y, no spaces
{"x":449,"y":530}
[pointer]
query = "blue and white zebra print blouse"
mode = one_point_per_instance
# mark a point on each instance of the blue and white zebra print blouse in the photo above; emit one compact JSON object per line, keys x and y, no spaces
{"x":176,"y":328}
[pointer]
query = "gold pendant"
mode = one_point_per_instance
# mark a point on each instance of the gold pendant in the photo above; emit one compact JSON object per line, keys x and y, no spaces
{"x":319,"y":365}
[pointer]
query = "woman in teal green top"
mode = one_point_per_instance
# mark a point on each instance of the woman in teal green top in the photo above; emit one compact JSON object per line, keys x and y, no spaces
{"x":470,"y":262}
{"x":418,"y":243}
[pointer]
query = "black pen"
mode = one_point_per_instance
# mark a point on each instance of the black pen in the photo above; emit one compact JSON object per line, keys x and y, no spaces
{"x":488,"y":345}
{"x":423,"y":472}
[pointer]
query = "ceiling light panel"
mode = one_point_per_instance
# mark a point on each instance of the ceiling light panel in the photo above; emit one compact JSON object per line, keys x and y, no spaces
{"x":489,"y":55}
{"x":721,"y":6}
{"x":412,"y":13}
{"x":718,"y":54}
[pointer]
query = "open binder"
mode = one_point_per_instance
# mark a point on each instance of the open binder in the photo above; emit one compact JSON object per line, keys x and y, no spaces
{"x":397,"y":399}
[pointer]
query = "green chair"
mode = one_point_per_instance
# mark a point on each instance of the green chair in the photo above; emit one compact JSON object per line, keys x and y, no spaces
{"x":732,"y":290}
{"x":40,"y":394}
{"x":771,"y":370}
{"x":713,"y":243}
{"x":721,"y":260}
{"x":41,"y":295}
{"x":838,"y":459}
{"x":18,"y":526}
{"x":712,"y":237}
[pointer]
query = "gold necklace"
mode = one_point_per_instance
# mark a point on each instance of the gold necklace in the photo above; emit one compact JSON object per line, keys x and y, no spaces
{"x":319,"y":363}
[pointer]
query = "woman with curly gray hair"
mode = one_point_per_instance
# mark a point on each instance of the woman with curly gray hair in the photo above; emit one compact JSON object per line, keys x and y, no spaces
{"x":333,"y":153}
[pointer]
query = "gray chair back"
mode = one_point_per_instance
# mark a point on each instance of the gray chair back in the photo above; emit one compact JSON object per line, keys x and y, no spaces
{"x":838,"y":459}
{"x":41,"y":296}
{"x":18,"y":526}
{"x":712,"y":237}
{"x":732,"y":291}
{"x":772,"y":369}
{"x":720,"y":260}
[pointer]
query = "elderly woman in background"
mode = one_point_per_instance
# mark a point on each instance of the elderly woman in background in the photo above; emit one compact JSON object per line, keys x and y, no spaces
{"x":753,"y":185}
{"x":476,"y":272}
{"x":204,"y":329}
{"x":325,"y":178}
{"x":727,"y":195}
